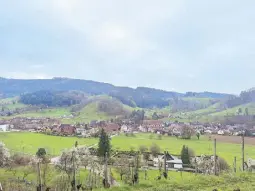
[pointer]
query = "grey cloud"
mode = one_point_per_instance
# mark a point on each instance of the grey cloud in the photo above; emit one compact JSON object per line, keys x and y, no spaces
{"x":184,"y":45}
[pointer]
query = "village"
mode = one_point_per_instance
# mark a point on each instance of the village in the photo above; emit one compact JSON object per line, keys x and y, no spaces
{"x":55,"y":127}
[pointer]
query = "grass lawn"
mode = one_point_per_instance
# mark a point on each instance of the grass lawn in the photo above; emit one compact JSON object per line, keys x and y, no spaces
{"x":30,"y":142}
{"x":203,"y":146}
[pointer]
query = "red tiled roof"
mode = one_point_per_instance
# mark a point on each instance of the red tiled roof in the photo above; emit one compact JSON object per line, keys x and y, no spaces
{"x":152,"y":122}
{"x":111,"y":127}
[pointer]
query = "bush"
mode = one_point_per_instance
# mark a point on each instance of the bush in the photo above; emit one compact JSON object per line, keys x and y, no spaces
{"x":186,"y":132}
{"x":159,"y":137}
{"x":191,"y":152}
{"x":155,"y":149}
{"x":21,"y":160}
{"x":222,"y":165}
{"x":143,"y":148}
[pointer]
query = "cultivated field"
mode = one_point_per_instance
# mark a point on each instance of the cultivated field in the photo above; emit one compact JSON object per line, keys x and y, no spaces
{"x":234,"y":139}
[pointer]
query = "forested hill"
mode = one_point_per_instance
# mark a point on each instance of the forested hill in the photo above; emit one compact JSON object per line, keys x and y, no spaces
{"x":140,"y":97}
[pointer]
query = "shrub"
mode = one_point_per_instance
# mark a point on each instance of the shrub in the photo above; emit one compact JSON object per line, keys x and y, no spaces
{"x":159,"y":137}
{"x":143,"y":148}
{"x":155,"y":149}
{"x":222,"y":165}
{"x":21,"y":160}
{"x":186,"y":132}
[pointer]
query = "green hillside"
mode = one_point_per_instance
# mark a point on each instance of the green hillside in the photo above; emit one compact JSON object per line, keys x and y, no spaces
{"x":233,"y":111}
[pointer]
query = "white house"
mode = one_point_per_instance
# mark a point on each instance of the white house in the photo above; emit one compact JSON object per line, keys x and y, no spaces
{"x":124,"y":128}
{"x":221,"y":132}
{"x":142,"y":129}
{"x":208,"y":131}
{"x":172,"y":162}
{"x":4,"y":128}
{"x":81,"y":131}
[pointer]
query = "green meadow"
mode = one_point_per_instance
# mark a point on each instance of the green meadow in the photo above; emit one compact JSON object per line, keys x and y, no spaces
{"x":173,"y":145}
{"x":30,"y":142}
{"x":180,"y":181}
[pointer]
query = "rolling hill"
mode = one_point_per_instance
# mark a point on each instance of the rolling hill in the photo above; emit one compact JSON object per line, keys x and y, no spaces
{"x":89,"y":100}
{"x":139,"y":97}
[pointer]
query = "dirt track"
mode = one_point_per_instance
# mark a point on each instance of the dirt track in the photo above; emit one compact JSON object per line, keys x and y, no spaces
{"x":234,"y":139}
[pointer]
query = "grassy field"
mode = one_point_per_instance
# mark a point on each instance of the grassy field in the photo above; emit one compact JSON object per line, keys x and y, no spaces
{"x":203,"y":146}
{"x":53,"y":112}
{"x":87,"y":114}
{"x":30,"y":142}
{"x":52,"y":174}
{"x":178,"y":181}
{"x":232,"y":111}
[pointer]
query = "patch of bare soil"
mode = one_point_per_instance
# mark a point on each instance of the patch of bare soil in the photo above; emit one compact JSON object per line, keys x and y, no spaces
{"x":233,"y":139}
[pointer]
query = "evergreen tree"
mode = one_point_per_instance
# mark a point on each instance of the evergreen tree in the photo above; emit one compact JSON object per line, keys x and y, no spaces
{"x":76,"y":144}
{"x":185,"y":155}
{"x":104,"y":145}
{"x":41,"y":153}
{"x":155,"y":116}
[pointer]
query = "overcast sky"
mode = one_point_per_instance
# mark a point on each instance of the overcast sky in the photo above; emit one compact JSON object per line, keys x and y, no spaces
{"x":180,"y":45}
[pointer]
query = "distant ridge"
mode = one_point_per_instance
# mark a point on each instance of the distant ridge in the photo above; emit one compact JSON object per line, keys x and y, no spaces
{"x":140,"y":96}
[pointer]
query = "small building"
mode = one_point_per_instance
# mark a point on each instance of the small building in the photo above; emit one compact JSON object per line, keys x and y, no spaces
{"x":220,"y":132}
{"x":81,"y":131}
{"x":4,"y":128}
{"x":172,"y":162}
{"x":124,"y":129}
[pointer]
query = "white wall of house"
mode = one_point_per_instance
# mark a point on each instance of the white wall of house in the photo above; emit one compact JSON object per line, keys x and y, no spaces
{"x":4,"y":128}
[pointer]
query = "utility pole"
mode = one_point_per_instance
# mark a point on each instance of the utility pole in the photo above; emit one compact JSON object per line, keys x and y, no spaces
{"x":106,"y":170}
{"x":39,"y":176}
{"x":243,"y":151}
{"x":215,"y":159}
{"x":165,"y":165}
{"x":74,"y":171}
{"x":235,"y":164}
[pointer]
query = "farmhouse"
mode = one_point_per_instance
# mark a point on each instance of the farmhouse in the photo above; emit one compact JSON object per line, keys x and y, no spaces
{"x":153,"y":125}
{"x":110,"y":127}
{"x":172,"y":162}
{"x":67,"y":129}
{"x":4,"y":127}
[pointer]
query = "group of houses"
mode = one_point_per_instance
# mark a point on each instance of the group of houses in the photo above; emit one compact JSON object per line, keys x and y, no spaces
{"x":147,"y":126}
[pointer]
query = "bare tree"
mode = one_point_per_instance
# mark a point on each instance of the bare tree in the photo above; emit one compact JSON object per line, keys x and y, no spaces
{"x":4,"y":155}
{"x":122,"y":166}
